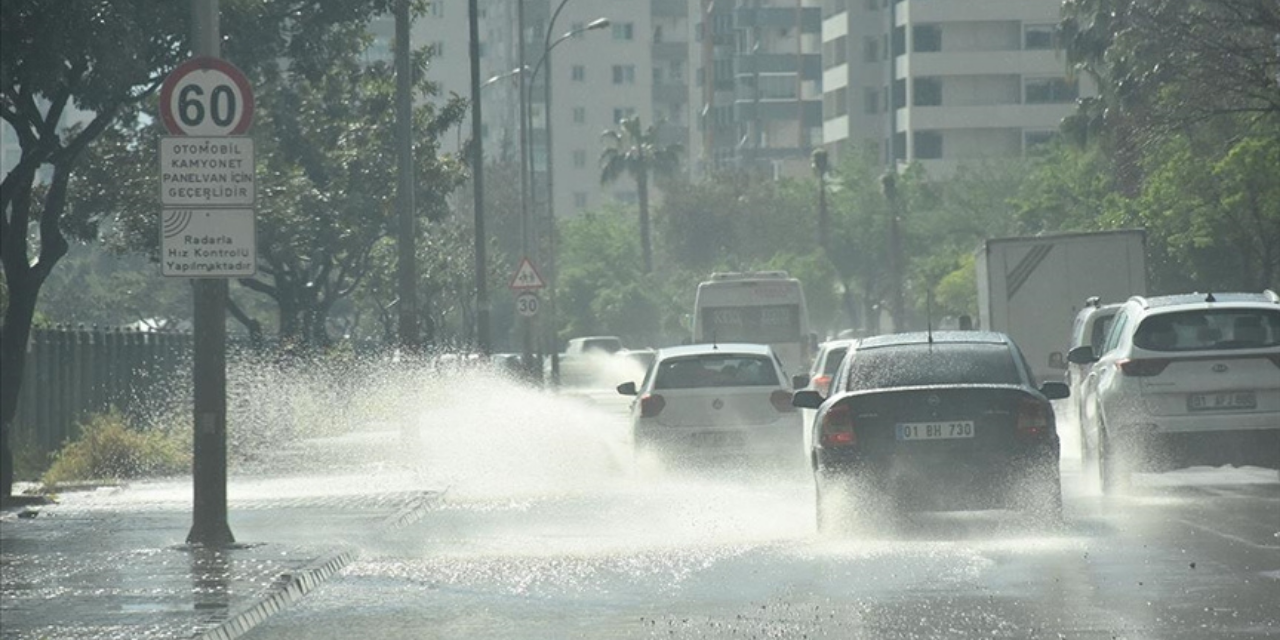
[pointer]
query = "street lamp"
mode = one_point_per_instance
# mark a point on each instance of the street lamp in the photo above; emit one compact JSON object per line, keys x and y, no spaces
{"x":548,"y":46}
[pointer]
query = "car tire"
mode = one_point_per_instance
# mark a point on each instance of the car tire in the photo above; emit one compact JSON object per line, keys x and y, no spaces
{"x":1111,"y":473}
{"x":826,"y":504}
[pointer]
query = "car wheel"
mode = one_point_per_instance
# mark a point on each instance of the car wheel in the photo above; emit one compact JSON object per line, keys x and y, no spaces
{"x":1039,"y":494}
{"x":826,"y":507}
{"x":1113,"y":477}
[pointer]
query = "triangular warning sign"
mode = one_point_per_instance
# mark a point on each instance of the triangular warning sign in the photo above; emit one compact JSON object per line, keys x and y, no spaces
{"x":526,"y":277}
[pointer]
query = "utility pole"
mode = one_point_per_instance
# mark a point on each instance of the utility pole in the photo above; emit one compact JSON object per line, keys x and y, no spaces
{"x":209,"y":526}
{"x":889,"y":185}
{"x":406,"y":240}
{"x":477,"y":182}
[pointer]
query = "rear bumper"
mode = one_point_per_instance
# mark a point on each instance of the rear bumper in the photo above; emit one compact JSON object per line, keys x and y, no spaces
{"x":1221,"y":421}
{"x":780,"y":440}
{"x":946,"y":483}
{"x":1166,"y":449}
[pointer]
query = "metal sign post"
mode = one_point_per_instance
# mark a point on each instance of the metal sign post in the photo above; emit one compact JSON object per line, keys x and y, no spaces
{"x":204,"y":239}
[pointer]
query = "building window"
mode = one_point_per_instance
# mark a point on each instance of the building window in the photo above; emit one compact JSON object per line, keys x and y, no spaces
{"x":834,"y":52}
{"x":621,"y":113}
{"x":928,"y":145}
{"x":899,"y":43}
{"x":579,"y":115}
{"x":1050,"y":91}
{"x":579,"y":200}
{"x":926,"y":92}
{"x":579,"y":73}
{"x":437,"y":8}
{"x":624,"y":74}
{"x":1037,"y":36}
{"x":926,"y":38}
{"x":870,"y":101}
{"x":870,"y":49}
{"x":624,"y":31}
{"x":899,"y":93}
{"x":777,"y":87}
{"x":579,"y":158}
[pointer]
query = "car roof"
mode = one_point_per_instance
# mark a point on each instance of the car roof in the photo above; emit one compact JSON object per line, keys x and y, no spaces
{"x":710,"y":348}
{"x":1100,"y":309}
{"x":1207,"y":300}
{"x":939,"y":337}
{"x":836,"y":344}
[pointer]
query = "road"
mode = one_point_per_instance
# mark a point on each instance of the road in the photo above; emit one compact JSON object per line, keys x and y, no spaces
{"x":540,"y":542}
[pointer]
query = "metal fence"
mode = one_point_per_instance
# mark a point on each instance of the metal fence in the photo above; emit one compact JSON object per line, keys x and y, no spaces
{"x":72,"y":372}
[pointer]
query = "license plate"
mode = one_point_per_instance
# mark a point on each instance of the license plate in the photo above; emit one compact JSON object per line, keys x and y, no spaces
{"x":1222,"y":401}
{"x":946,"y":430}
{"x":716,"y":439}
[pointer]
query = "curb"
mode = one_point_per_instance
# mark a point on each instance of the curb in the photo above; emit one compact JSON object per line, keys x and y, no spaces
{"x":293,"y":586}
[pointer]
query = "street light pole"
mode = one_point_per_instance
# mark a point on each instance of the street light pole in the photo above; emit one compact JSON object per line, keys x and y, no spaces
{"x":477,"y":182}
{"x":548,"y":45}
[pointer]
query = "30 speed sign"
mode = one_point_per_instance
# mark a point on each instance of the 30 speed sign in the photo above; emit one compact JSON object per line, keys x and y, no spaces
{"x":206,"y":96}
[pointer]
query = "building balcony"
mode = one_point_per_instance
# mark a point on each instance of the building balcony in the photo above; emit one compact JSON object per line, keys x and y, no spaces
{"x":995,"y":116}
{"x":943,"y":11}
{"x":671,"y":50}
{"x":809,"y":19}
{"x":809,"y":64}
{"x":778,"y":110}
{"x":669,"y":8}
{"x":670,"y":92}
{"x":979,"y":63}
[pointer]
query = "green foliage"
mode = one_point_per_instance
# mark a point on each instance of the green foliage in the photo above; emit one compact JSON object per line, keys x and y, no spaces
{"x":108,"y":448}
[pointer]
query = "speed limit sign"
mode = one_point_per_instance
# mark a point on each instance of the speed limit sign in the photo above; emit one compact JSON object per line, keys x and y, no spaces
{"x":206,"y":96}
{"x":527,"y":304}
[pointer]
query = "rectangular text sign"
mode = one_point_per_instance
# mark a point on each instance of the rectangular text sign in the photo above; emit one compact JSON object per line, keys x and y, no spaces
{"x":206,"y":172}
{"x":208,"y":243}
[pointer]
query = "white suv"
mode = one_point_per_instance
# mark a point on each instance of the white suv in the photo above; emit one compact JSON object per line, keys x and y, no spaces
{"x":1183,"y":379}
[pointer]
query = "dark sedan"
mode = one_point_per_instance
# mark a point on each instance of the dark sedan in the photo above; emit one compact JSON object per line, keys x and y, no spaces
{"x":945,"y":421}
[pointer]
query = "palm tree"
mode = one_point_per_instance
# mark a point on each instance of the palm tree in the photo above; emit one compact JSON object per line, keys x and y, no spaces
{"x":637,"y":152}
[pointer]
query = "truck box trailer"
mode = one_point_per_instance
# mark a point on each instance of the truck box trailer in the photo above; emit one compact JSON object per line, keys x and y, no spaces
{"x":1031,"y":288}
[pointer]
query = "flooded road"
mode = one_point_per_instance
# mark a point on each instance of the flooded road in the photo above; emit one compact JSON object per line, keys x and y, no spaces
{"x":547,"y":531}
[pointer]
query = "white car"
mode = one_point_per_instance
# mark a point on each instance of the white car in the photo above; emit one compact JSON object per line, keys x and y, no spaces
{"x":1091,"y":326}
{"x":709,"y":401}
{"x":1182,"y":380}
{"x":825,"y":364}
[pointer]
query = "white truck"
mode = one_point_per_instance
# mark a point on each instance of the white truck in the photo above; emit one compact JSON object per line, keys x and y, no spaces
{"x":1031,"y":288}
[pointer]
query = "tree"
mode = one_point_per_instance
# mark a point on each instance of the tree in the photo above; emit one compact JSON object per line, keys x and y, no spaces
{"x":636,"y":152}
{"x":106,"y":60}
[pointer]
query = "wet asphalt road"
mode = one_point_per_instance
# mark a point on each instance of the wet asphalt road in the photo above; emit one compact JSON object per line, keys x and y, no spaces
{"x":1189,"y":554}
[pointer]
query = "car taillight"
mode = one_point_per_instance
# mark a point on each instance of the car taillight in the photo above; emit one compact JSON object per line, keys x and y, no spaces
{"x":822,"y":384}
{"x":1033,"y":419}
{"x":781,"y":400}
{"x":837,"y":427}
{"x":1143,"y":368}
{"x":651,"y":405}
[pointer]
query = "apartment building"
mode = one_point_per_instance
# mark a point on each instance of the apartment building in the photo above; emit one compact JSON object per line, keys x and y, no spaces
{"x":942,"y":82}
{"x":758,"y":87}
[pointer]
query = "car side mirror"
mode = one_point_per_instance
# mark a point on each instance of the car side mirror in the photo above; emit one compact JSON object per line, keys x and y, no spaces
{"x":1082,"y":354}
{"x":807,"y":399}
{"x":1055,"y":390}
{"x":627,"y":388}
{"x":799,"y":382}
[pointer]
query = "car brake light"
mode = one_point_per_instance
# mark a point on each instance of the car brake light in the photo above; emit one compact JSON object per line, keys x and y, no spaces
{"x":1033,"y":419}
{"x":822,"y":384}
{"x":837,"y":427}
{"x":781,"y":400}
{"x":651,"y":405}
{"x":1142,"y":368}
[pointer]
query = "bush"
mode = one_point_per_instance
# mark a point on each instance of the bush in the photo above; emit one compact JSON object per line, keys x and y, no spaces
{"x":110,"y":449}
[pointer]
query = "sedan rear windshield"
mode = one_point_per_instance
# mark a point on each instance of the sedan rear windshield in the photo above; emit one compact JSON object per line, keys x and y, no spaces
{"x":1209,"y":329}
{"x":716,"y":371}
{"x":918,"y":364}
